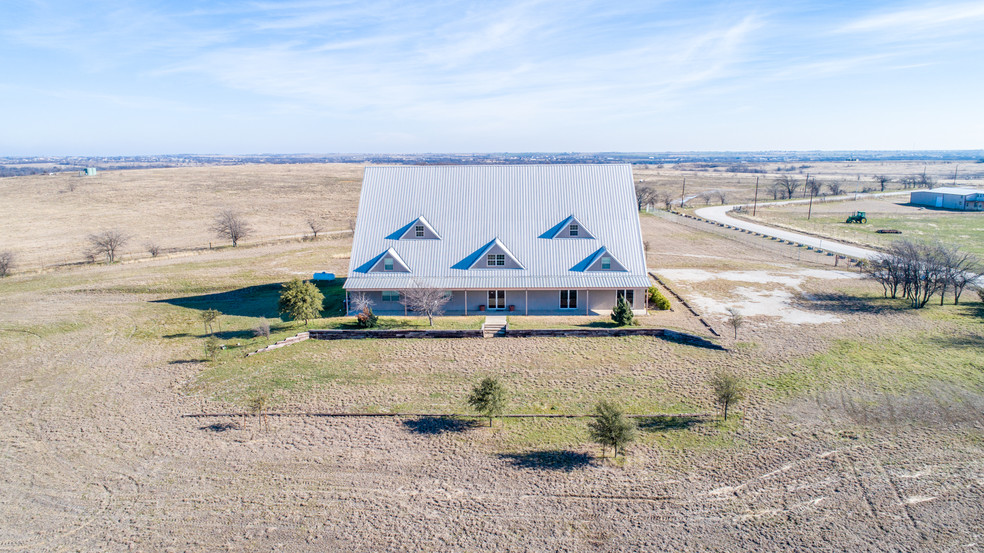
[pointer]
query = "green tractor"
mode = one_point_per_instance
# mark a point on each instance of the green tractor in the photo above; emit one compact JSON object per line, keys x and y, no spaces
{"x":858,"y":217}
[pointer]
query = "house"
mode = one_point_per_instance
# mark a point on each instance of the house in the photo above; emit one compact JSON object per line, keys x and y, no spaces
{"x":526,"y":239}
{"x":949,"y":198}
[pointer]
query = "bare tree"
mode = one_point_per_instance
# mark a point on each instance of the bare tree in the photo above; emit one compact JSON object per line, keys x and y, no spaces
{"x":351,"y":223}
{"x":836,"y":187}
{"x":360,"y":301}
{"x":429,"y":301}
{"x":919,"y":271}
{"x":735,"y":320}
{"x":814,"y":186}
{"x":776,"y":190}
{"x":926,"y":181}
{"x":667,"y":201}
{"x":230,"y":224}
{"x":882,"y":180}
{"x":316,"y":224}
{"x":6,"y":262}
{"x":153,"y":249}
{"x":107,"y":243}
{"x":704,"y":197}
{"x":788,"y":185}
{"x":959,"y":270}
{"x":646,"y":195}
{"x":721,"y":196}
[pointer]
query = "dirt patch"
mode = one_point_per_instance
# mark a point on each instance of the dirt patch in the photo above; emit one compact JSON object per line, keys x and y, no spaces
{"x":778,"y":299}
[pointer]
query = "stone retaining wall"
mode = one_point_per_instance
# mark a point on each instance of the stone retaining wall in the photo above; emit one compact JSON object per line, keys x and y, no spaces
{"x":360,"y":334}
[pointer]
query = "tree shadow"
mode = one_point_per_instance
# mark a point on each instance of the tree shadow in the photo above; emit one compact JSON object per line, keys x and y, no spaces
{"x":690,"y":340}
{"x":220,"y":427}
{"x":600,"y":324}
{"x":836,"y":302}
{"x":556,"y":459}
{"x":258,"y":301}
{"x":439,"y":425}
{"x":185,"y":361}
{"x":962,"y":341}
{"x":232,"y":334}
{"x":661,"y":424}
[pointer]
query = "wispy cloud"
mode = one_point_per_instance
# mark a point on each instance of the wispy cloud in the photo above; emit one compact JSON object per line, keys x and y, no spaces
{"x":951,"y":16}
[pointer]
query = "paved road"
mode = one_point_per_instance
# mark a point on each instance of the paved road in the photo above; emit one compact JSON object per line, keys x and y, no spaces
{"x":720,"y":215}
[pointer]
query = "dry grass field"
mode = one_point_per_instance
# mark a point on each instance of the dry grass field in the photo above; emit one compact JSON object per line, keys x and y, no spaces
{"x":46,"y":219}
{"x":862,"y":429}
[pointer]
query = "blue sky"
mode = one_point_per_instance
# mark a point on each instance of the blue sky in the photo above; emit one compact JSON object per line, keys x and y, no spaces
{"x":176,"y":76}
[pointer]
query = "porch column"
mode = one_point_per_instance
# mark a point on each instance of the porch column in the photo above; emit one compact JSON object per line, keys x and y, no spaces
{"x":526,"y":303}
{"x":466,"y":303}
{"x":587,"y":301}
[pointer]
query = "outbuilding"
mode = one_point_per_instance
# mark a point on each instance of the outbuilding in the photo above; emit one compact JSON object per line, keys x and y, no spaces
{"x":947,"y":197}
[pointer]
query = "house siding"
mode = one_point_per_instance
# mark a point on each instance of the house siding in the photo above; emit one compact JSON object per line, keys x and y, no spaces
{"x":540,"y":302}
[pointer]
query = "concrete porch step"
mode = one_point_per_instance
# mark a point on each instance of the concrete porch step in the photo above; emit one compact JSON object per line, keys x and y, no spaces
{"x":494,"y":326}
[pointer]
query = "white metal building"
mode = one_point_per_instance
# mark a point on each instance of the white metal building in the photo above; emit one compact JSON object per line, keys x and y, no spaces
{"x":528,"y":239}
{"x":949,"y":198}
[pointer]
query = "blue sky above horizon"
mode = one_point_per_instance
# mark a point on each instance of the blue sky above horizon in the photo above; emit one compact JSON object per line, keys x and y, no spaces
{"x":377,"y":76}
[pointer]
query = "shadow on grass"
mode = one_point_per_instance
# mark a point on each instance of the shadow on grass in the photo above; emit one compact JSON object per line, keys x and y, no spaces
{"x":845,"y":303}
{"x":258,"y":301}
{"x":600,"y":324}
{"x":439,"y":425}
{"x":185,"y":361}
{"x":220,"y":427}
{"x":963,"y":340}
{"x":556,"y":459}
{"x":661,"y":424}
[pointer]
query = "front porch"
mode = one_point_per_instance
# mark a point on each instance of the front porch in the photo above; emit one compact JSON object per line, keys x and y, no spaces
{"x":583,"y":302}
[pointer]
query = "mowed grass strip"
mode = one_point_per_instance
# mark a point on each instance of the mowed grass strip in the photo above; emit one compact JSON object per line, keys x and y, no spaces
{"x":908,"y":362}
{"x":544,"y":375}
{"x":951,"y":227}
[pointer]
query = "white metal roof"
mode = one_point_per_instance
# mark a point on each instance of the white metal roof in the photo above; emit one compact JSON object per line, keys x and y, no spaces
{"x":520,"y":205}
{"x":953,"y":190}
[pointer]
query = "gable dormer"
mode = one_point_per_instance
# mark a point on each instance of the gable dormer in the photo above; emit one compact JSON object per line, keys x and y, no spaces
{"x":418,"y":229}
{"x":494,"y":255}
{"x":601,"y":260}
{"x":387,"y":262}
{"x":568,"y":228}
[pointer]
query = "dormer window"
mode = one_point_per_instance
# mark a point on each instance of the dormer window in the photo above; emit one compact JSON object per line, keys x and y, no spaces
{"x":568,"y":228}
{"x":606,"y":263}
{"x":388,"y":264}
{"x":496,"y":260}
{"x":418,"y":229}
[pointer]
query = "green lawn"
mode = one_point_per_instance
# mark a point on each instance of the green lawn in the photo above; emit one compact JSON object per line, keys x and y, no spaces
{"x":965,"y":229}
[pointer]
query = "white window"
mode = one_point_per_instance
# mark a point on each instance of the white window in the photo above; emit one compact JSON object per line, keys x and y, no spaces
{"x":419,"y":231}
{"x":629,"y":296}
{"x":391,"y":295}
{"x":573,"y":229}
{"x":568,"y":299}
{"x":388,"y":264}
{"x":496,"y":259}
{"x":606,"y":263}
{"x":448,"y":294}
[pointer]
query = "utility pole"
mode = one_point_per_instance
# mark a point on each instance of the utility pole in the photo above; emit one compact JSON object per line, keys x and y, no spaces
{"x":810,"y":212}
{"x":806,"y":184}
{"x":756,"y":200}
{"x":683,"y":193}
{"x":955,"y":175}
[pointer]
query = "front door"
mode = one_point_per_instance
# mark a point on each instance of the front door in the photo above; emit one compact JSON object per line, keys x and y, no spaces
{"x":497,"y":299}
